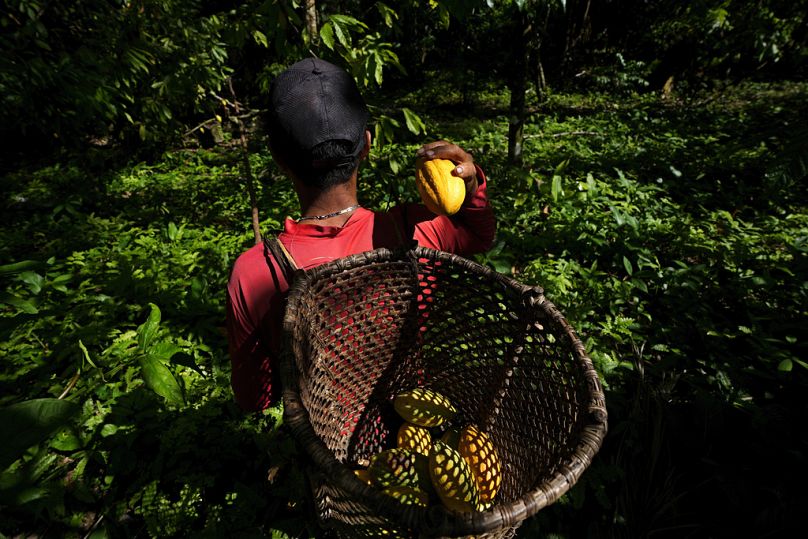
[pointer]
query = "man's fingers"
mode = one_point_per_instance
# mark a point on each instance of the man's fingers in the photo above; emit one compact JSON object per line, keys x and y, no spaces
{"x":465,"y":170}
{"x":430,"y":146}
{"x":444,"y":150}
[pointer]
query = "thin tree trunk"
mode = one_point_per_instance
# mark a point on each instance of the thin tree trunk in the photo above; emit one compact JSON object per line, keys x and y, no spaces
{"x":246,"y":169}
{"x":518,"y":87}
{"x":311,"y":21}
{"x":541,"y":81}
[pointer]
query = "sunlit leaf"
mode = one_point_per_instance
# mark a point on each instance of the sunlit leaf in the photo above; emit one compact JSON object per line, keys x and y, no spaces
{"x":414,"y":122}
{"x":555,"y":189}
{"x":147,"y":330}
{"x":160,"y":379}
{"x":33,"y":280}
{"x":327,"y":35}
{"x":260,"y":38}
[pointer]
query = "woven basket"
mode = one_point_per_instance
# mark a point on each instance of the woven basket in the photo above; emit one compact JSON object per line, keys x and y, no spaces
{"x":360,"y":330}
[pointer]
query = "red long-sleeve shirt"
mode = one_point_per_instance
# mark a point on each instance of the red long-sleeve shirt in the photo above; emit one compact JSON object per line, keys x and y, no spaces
{"x":255,"y":294}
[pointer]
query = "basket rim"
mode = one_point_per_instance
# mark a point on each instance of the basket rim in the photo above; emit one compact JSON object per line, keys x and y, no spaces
{"x":437,"y":520}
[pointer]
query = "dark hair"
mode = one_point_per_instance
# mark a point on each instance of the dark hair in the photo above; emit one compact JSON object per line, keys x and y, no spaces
{"x":328,"y":164}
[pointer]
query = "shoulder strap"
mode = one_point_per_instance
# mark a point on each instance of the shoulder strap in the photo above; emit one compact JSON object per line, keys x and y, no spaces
{"x":284,"y":259}
{"x":405,"y":238}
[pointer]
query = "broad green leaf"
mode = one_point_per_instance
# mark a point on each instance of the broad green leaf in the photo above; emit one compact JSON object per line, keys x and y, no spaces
{"x":378,"y":70}
{"x":618,"y":217}
{"x":17,"y":267}
{"x":786,"y":365}
{"x":164,"y":351}
{"x":33,"y":280}
{"x":160,"y":379}
{"x":628,"y":266}
{"x":343,"y":37}
{"x":327,"y":35}
{"x":555,"y":189}
{"x":66,"y":440}
{"x":414,"y":122}
{"x":260,"y":38}
{"x":147,"y":330}
{"x":30,"y":422}
{"x":23,"y":305}
{"x":349,"y":22}
{"x":172,"y":231}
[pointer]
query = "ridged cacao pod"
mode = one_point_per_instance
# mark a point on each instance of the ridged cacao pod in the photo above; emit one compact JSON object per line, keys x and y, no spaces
{"x":479,"y":452}
{"x":441,"y":192}
{"x":452,"y":478}
{"x":415,"y":438}
{"x":424,"y":407}
{"x":400,"y":468}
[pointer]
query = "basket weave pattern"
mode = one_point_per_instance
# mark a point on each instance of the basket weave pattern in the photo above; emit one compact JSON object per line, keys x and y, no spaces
{"x":360,"y":330}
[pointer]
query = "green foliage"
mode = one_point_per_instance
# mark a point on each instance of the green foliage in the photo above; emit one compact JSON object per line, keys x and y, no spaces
{"x":116,"y":361}
{"x":108,"y":68}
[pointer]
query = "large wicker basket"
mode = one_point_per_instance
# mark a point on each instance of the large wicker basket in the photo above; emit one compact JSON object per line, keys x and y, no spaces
{"x":360,"y":330}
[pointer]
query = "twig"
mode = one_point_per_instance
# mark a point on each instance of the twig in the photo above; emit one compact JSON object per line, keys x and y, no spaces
{"x":42,"y":344}
{"x":71,"y":384}
{"x":93,"y":527}
{"x":245,"y":164}
{"x":203,"y":124}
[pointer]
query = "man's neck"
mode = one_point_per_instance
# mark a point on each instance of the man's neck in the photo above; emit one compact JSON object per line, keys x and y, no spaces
{"x":314,"y":202}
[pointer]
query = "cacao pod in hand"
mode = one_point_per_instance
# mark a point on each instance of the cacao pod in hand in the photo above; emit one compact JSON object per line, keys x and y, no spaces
{"x":441,"y":192}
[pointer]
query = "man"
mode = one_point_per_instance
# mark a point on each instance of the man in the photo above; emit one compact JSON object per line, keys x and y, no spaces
{"x":317,"y":124}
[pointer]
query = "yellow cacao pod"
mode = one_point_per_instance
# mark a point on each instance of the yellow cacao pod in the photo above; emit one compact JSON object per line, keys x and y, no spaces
{"x":441,"y":192}
{"x":424,"y":407}
{"x":415,"y":438}
{"x":479,"y":452}
{"x":452,"y":479}
{"x":400,"y":468}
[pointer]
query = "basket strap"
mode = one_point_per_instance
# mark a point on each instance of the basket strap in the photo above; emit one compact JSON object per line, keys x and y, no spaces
{"x":405,"y":239}
{"x":284,"y":259}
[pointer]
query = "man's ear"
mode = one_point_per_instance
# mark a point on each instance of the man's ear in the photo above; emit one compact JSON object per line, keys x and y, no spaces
{"x":281,"y":163}
{"x":366,"y":150}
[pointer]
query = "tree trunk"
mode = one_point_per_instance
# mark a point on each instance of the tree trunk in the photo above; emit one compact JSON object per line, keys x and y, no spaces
{"x":518,"y":86}
{"x":311,"y":21}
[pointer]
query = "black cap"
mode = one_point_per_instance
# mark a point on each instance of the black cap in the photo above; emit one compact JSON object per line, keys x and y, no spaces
{"x":312,"y":102}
